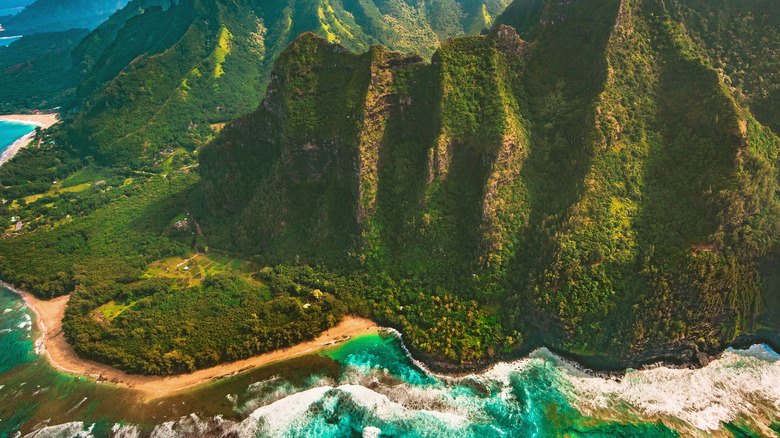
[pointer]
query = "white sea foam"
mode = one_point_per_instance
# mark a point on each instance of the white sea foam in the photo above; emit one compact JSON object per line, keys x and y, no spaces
{"x":740,"y":382}
{"x":371,"y":432}
{"x":40,"y":346}
{"x":737,"y":383}
{"x":7,"y":311}
{"x":188,"y":426}
{"x":26,"y":324}
{"x":125,"y":431}
{"x":75,"y":429}
{"x":295,"y":413}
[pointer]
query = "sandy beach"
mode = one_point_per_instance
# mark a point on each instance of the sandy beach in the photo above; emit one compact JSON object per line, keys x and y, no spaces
{"x":42,"y":120}
{"x":52,"y":343}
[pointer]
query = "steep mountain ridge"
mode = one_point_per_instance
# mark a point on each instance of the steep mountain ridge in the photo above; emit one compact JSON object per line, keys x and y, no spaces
{"x":598,"y":177}
{"x":35,"y":70}
{"x":582,"y":176}
{"x":173,"y":76}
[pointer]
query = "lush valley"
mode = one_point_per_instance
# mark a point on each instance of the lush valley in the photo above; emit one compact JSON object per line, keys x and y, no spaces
{"x":581,"y":176}
{"x":59,"y":15}
{"x":188,"y":69}
{"x":35,"y":70}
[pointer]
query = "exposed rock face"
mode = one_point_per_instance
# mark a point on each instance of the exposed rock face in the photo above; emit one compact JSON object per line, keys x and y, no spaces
{"x":509,"y":41}
{"x":563,"y":180}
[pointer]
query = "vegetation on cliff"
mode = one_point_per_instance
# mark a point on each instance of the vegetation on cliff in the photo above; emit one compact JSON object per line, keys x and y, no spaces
{"x":582,"y":175}
{"x":167,"y":75}
{"x":601,"y":180}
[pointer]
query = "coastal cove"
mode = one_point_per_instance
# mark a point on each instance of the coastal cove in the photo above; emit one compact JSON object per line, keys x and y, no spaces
{"x":52,"y":343}
{"x":17,"y":130}
{"x":370,"y":381}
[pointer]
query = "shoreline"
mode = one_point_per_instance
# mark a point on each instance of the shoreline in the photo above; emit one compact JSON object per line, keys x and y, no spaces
{"x":52,"y":344}
{"x":42,"y":120}
{"x":63,"y":358}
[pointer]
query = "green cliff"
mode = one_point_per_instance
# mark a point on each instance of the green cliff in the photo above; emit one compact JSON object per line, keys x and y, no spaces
{"x":169,"y":78}
{"x":586,"y":175}
{"x":598,"y":181}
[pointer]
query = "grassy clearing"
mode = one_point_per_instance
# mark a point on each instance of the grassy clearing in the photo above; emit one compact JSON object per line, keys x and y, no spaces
{"x":112,"y":309}
{"x":192,"y":271}
{"x":55,"y":190}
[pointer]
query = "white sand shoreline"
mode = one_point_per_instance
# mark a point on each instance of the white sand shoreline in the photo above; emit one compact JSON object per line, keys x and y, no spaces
{"x":42,"y":120}
{"x":51,"y":343}
{"x":12,"y":150}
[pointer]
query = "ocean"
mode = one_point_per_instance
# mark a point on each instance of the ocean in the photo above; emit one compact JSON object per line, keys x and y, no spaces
{"x":12,"y":131}
{"x":5,"y":41}
{"x":369,"y":387}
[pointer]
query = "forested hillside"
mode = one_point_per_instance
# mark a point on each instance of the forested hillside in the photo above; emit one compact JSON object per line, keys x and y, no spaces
{"x":601,"y":177}
{"x":60,"y":15}
{"x":200,"y":63}
{"x":35,"y":70}
{"x":741,"y":39}
{"x":584,"y":175}
{"x":43,"y":70}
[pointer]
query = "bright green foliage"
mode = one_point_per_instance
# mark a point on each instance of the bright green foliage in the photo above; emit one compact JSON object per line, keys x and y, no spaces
{"x":434,"y":322}
{"x":125,"y":228}
{"x":200,"y":63}
{"x":601,"y":175}
{"x":226,"y":318}
{"x":596,"y":186}
{"x":34,"y":71}
{"x":741,"y":40}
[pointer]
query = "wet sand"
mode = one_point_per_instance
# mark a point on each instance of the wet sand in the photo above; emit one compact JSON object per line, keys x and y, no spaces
{"x":60,"y":354}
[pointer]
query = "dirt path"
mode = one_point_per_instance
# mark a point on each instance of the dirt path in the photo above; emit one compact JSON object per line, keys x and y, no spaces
{"x":60,"y":354}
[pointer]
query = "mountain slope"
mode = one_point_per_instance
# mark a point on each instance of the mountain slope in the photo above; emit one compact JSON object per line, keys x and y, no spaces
{"x":61,"y":15}
{"x":600,"y":178}
{"x":741,"y":40}
{"x":170,"y":77}
{"x":43,"y":70}
{"x":35,"y":70}
{"x":594,"y":186}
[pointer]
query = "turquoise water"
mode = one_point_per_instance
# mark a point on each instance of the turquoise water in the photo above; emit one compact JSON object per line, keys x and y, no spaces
{"x":12,"y":131}
{"x":4,"y":41}
{"x":10,"y":11}
{"x":369,"y":387}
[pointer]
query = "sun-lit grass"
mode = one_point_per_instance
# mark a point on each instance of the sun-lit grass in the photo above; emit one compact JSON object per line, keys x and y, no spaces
{"x":55,"y":190}
{"x":192,"y":271}
{"x":112,"y":309}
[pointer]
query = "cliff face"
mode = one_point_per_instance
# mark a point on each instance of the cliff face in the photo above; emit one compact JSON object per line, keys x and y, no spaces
{"x":595,"y":176}
{"x":157,"y":77}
